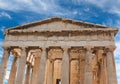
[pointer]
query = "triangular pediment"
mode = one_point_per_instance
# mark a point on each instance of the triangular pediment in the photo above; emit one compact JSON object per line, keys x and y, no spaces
{"x":57,"y":23}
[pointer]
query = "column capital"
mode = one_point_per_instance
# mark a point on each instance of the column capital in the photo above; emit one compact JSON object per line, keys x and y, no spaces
{"x":23,"y":48}
{"x":65,"y":48}
{"x":16,"y":52}
{"x":6,"y":48}
{"x":89,"y":48}
{"x":100,"y":50}
{"x":82,"y":50}
{"x":43,"y":48}
{"x":37,"y":54}
{"x":51,"y":60}
{"x":110,"y":48}
{"x":33,"y":48}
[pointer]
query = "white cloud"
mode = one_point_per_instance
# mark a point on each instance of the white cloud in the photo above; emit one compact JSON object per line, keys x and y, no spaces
{"x":53,"y":7}
{"x":110,"y":6}
{"x":38,"y":6}
{"x":75,"y":12}
{"x":4,"y":14}
{"x":86,"y":9}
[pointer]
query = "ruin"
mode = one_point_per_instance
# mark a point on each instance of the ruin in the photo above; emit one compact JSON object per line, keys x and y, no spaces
{"x":59,"y":51}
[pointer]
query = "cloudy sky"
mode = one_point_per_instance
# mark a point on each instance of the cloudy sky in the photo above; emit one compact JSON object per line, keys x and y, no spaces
{"x":18,"y":12}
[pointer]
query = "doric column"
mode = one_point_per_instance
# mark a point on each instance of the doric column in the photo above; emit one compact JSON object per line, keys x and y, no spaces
{"x":12,"y":75}
{"x":42,"y":68}
{"x":105,"y":69}
{"x":50,"y":72}
{"x":4,"y":64}
{"x":101,"y":67}
{"x":81,"y":66}
{"x":27,"y":80}
{"x":88,"y":68}
{"x":35,"y":70}
{"x":111,"y":71}
{"x":65,"y":67}
{"x":21,"y":67}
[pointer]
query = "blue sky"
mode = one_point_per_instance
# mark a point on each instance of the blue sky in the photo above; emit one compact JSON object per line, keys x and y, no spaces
{"x":18,"y":12}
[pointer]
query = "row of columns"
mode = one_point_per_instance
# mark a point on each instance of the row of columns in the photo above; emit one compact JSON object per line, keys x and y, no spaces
{"x":17,"y":72}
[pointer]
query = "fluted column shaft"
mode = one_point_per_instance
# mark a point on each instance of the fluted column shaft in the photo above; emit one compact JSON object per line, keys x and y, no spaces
{"x":13,"y":71}
{"x":82,"y":66}
{"x":88,"y":68}
{"x":42,"y":68}
{"x":4,"y":64}
{"x":50,"y":74}
{"x":101,"y":67}
{"x":65,"y":67}
{"x":21,"y":68}
{"x":111,"y":71}
{"x":35,"y":70}
{"x":27,"y":81}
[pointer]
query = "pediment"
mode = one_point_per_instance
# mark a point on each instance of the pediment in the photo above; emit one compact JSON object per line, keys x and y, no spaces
{"x":57,"y":25}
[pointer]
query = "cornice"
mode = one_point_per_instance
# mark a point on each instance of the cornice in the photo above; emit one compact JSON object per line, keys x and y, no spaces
{"x":84,"y":30}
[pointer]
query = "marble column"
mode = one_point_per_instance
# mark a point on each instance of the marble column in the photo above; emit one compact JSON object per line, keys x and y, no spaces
{"x":13,"y":71}
{"x":100,"y":72}
{"x":81,"y":66}
{"x":105,"y":70}
{"x":88,"y":68}
{"x":35,"y":70}
{"x":111,"y":71}
{"x":42,"y":68}
{"x":65,"y":67}
{"x":4,"y":64}
{"x":98,"y":67}
{"x":21,"y":68}
{"x":50,"y":72}
{"x":27,"y":80}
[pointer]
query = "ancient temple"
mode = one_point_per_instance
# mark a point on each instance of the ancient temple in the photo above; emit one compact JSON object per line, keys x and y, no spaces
{"x":59,"y":51}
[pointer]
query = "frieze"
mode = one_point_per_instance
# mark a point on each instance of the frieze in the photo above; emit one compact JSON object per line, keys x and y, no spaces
{"x":69,"y":37}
